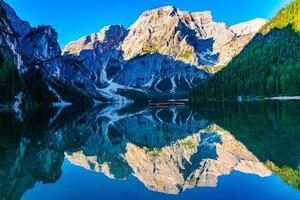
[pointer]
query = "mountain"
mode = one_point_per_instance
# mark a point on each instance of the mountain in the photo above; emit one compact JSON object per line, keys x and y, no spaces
{"x":268,"y":66}
{"x":164,"y":54}
{"x":193,"y":38}
{"x":92,"y":61}
{"x":30,"y":62}
{"x":249,"y":27}
{"x":166,"y":51}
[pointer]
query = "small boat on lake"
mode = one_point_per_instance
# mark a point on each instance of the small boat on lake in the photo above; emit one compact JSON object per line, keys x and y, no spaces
{"x":166,"y":104}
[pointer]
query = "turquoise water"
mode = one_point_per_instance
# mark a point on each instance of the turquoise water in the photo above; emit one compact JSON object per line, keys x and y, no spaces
{"x":220,"y":151}
{"x":78,"y":183}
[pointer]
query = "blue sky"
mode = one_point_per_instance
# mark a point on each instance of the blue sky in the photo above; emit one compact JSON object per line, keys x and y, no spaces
{"x":73,"y":19}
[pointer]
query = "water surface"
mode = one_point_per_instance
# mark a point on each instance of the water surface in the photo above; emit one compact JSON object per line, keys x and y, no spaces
{"x":209,"y":151}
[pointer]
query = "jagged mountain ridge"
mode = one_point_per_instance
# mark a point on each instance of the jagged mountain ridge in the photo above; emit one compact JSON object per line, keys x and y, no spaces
{"x":193,"y":38}
{"x":163,"y":51}
{"x":31,"y":63}
{"x":166,"y":59}
{"x":99,"y":66}
{"x":170,"y":31}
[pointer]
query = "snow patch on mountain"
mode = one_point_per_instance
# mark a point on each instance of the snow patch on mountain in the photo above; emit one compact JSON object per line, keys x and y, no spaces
{"x":249,"y":27}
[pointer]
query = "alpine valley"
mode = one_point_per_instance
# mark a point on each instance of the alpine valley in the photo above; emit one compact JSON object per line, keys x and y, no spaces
{"x":163,"y":54}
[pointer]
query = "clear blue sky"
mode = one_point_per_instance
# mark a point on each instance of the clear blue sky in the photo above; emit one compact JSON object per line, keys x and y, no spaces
{"x":73,"y":19}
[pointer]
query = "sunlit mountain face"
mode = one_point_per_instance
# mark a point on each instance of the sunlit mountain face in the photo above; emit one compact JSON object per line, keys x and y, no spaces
{"x":170,"y":152}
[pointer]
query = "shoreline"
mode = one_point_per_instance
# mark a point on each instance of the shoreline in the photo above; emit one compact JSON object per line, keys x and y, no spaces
{"x":283,"y":98}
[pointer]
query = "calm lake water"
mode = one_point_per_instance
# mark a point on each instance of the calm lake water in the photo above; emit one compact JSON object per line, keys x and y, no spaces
{"x":206,"y":151}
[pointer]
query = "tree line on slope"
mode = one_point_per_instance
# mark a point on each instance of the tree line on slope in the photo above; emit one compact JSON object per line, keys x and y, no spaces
{"x":268,"y":66}
{"x":10,"y":83}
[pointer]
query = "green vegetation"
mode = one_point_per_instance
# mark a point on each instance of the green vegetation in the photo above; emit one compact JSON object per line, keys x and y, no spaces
{"x":37,"y":88}
{"x":10,"y":81}
{"x":34,"y":87}
{"x":188,"y":144}
{"x":212,"y":69}
{"x":268,"y":66}
{"x":213,"y":128}
{"x":153,"y":152}
{"x":287,"y":174}
{"x":269,"y":129}
{"x":285,"y":17}
{"x":150,"y":49}
{"x":185,"y":54}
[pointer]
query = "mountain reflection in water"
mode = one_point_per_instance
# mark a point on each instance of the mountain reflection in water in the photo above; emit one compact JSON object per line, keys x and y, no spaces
{"x":169,"y":150}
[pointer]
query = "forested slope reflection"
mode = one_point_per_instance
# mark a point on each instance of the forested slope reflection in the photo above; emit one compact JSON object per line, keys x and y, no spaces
{"x":270,"y":130}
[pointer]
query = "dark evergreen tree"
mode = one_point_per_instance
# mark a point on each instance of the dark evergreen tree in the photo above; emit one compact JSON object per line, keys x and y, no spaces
{"x":268,"y":66}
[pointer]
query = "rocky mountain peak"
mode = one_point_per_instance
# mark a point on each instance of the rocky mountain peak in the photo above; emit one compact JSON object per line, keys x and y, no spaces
{"x":171,"y":11}
{"x":16,"y":24}
{"x":165,"y":50}
{"x":193,"y":38}
{"x":204,"y":17}
{"x":41,"y":44}
{"x":112,"y":31}
{"x":167,"y":31}
{"x":110,"y":35}
{"x":162,"y":11}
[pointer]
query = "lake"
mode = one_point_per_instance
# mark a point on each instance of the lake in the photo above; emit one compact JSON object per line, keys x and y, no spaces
{"x":205,"y":151}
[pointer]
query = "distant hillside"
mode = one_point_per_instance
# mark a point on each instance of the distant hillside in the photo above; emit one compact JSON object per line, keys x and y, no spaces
{"x":268,"y":66}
